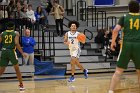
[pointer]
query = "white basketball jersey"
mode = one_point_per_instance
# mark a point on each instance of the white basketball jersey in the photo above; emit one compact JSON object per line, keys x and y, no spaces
{"x":72,"y":38}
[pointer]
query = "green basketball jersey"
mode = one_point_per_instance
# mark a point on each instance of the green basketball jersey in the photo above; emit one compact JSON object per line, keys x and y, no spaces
{"x":131,"y":24}
{"x":8,"y":39}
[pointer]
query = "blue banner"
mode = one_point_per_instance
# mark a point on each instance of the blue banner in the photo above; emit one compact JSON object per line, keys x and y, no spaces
{"x":47,"y":68}
{"x":104,"y":2}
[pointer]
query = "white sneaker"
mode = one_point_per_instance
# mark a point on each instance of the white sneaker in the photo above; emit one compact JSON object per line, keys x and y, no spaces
{"x":110,"y":91}
{"x":21,"y":87}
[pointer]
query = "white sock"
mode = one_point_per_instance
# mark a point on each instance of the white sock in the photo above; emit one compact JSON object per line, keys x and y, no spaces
{"x":110,"y":91}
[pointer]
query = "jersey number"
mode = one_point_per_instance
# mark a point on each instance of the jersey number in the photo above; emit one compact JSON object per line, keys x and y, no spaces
{"x":8,"y":38}
{"x":72,"y":41}
{"x":134,"y":24}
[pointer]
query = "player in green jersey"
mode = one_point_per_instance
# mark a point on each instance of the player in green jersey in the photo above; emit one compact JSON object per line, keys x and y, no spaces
{"x":130,"y":45}
{"x":10,"y":41}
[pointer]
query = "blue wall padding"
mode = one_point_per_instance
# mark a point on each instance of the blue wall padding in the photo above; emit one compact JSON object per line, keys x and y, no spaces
{"x":47,"y":68}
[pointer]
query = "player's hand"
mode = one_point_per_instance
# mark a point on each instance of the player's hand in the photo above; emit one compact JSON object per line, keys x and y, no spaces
{"x":83,"y":42}
{"x":24,"y":55}
{"x":113,"y":45}
{"x":67,"y":43}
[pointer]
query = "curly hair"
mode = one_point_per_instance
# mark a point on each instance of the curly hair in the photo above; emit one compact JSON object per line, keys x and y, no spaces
{"x":10,"y":25}
{"x":73,"y":22}
{"x":133,"y":6}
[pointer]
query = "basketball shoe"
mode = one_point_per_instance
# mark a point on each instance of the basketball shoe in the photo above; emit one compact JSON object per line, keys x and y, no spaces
{"x":71,"y":79}
{"x":86,"y":73}
{"x":21,"y":87}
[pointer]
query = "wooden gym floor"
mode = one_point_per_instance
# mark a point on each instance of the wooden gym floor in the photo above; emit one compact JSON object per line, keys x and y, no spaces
{"x":96,"y":83}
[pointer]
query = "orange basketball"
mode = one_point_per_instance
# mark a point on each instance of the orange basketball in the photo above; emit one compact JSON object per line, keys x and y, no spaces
{"x":81,"y":37}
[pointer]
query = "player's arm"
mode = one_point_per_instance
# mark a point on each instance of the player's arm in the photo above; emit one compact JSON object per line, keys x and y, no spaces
{"x":18,"y":45}
{"x":66,"y":39}
{"x":116,"y":31}
{"x":114,"y":36}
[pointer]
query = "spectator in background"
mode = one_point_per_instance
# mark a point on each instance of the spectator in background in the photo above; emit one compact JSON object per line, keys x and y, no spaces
{"x":40,"y":17}
{"x":107,"y":42}
{"x":99,"y":39}
{"x":23,"y":13}
{"x":4,"y":2}
{"x":2,"y":15}
{"x":49,"y":6}
{"x":18,"y":8}
{"x":44,"y":6}
{"x":58,"y":13}
{"x":25,"y":1}
{"x":28,"y":44}
{"x":108,"y":36}
{"x":24,"y":19}
{"x":30,"y":14}
{"x":11,"y":8}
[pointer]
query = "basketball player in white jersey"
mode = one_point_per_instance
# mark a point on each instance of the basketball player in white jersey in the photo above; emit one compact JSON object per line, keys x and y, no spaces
{"x":71,"y":40}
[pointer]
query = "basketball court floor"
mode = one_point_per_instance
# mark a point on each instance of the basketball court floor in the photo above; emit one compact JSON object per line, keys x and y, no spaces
{"x":96,"y":83}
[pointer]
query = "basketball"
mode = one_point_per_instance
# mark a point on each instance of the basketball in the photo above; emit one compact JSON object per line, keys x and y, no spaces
{"x":81,"y":38}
